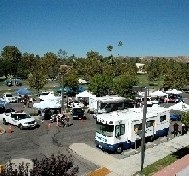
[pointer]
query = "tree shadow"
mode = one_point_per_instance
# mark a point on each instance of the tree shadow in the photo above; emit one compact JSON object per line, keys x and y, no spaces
{"x":181,"y":152}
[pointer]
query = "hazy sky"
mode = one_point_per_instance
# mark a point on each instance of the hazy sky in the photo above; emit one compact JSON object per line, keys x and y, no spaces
{"x":146,"y":27}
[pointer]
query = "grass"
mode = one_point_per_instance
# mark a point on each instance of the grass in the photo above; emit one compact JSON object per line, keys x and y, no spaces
{"x":162,"y":163}
{"x":143,"y":81}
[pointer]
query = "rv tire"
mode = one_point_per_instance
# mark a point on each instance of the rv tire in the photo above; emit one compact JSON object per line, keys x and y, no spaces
{"x":119,"y":149}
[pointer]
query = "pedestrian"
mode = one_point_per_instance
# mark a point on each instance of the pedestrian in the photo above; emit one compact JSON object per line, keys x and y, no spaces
{"x":175,"y":126}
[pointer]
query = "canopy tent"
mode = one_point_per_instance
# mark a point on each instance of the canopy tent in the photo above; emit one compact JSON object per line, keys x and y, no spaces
{"x":51,"y":97}
{"x":180,"y":107}
{"x":157,"y":94}
{"x":84,"y":94}
{"x":47,"y":104}
{"x":23,"y":91}
{"x":174,"y":91}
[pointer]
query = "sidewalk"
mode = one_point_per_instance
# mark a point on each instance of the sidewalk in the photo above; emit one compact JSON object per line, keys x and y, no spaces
{"x":129,"y":165}
{"x":177,"y":168}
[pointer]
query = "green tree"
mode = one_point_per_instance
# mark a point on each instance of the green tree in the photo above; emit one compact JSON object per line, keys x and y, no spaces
{"x":109,"y":48}
{"x":154,"y":70}
{"x":176,"y":76}
{"x":185,"y":118}
{"x":50,"y":62}
{"x":100,"y":84}
{"x":11,"y":58}
{"x":93,"y":64}
{"x":71,"y":79}
{"x":122,"y":85}
{"x":38,"y":78}
{"x":27,"y":64}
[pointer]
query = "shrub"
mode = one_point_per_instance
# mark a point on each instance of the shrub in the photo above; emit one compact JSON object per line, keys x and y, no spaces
{"x":60,"y":165}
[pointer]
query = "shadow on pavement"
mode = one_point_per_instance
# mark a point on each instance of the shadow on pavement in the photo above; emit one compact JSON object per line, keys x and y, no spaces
{"x":181,"y":152}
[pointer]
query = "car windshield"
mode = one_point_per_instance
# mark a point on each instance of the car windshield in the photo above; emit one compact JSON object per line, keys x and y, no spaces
{"x":8,"y":95}
{"x":77,"y":110}
{"x":104,"y":129}
{"x":45,"y":93}
{"x":20,"y":116}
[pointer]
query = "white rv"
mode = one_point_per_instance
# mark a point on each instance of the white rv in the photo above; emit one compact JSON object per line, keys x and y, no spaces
{"x":119,"y":130}
{"x":106,"y":103}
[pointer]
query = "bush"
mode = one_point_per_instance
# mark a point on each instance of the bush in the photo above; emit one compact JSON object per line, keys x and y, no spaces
{"x":60,"y":165}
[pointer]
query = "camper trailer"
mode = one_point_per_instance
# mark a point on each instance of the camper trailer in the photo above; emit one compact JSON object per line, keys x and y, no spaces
{"x":104,"y":104}
{"x":120,"y":130}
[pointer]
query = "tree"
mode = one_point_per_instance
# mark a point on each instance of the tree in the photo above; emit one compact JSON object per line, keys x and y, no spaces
{"x":71,"y":79}
{"x":100,"y":84}
{"x":154,"y":70}
{"x":50,"y":63}
{"x":109,"y":48}
{"x":122,"y":85}
{"x":11,"y":58}
{"x":38,"y":78}
{"x":27,"y":64}
{"x":93,"y":64}
{"x":176,"y":76}
{"x":185,"y":118}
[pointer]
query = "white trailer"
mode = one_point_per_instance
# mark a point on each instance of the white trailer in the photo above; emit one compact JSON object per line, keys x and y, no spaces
{"x":106,"y":103}
{"x":120,"y":130}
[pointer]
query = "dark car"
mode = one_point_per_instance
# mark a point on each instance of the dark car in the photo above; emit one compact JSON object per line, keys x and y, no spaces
{"x":78,"y":113}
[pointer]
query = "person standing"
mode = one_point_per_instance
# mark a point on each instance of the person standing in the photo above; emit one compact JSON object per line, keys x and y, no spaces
{"x":175,"y":126}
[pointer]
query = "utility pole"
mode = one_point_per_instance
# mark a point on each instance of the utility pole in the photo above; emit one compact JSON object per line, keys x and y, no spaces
{"x":143,"y":129}
{"x":62,"y":93}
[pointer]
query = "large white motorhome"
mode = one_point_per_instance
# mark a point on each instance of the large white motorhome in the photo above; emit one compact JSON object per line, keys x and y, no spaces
{"x":120,"y":130}
{"x":107,"y":103}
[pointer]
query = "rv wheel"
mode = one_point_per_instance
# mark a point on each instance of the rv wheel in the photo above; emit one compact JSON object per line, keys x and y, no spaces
{"x":119,"y":149}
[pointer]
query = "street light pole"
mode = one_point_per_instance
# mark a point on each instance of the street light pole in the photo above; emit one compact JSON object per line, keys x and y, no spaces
{"x":62,"y":93}
{"x":143,"y":129}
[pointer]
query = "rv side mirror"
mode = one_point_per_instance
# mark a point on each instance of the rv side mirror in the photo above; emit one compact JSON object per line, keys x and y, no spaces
{"x":118,"y":135}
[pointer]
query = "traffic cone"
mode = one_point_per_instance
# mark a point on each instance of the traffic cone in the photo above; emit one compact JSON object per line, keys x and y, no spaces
{"x":10,"y":129}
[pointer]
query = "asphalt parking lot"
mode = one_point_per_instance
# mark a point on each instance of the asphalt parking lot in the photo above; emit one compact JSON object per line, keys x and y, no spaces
{"x":45,"y":140}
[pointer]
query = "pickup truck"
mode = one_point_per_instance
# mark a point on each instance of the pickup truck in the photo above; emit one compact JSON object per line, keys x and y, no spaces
{"x":19,"y":119}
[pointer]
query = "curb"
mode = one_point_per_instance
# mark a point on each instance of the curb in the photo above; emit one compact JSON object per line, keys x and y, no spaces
{"x":2,"y":130}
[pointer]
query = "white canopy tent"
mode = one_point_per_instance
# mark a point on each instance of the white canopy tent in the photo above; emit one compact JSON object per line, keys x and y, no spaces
{"x":84,"y":94}
{"x":47,"y":104}
{"x":180,"y":107}
{"x":158,"y":94}
{"x":174,"y":91}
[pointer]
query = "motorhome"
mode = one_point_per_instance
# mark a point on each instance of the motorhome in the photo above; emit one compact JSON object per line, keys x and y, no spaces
{"x":108,"y":103}
{"x":120,"y":130}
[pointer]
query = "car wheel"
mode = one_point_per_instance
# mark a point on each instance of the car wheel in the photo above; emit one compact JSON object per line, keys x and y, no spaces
{"x":4,"y":122}
{"x":119,"y":149}
{"x":21,"y":127}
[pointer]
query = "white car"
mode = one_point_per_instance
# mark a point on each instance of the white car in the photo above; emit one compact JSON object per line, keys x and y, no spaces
{"x":8,"y":97}
{"x":19,"y":119}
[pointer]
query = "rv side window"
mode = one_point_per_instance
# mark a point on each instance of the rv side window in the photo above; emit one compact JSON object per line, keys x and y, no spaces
{"x":150,"y":123}
{"x":122,"y":126}
{"x":119,"y":130}
{"x":162,"y":118}
{"x":138,"y":126}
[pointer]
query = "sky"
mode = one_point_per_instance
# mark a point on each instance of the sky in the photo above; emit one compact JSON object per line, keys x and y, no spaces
{"x":146,"y":27}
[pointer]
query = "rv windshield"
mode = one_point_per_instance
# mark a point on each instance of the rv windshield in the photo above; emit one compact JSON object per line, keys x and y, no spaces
{"x":104,"y":129}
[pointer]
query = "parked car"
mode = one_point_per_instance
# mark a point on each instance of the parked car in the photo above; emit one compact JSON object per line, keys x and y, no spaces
{"x":8,"y":97}
{"x":78,"y":113}
{"x":19,"y":119}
